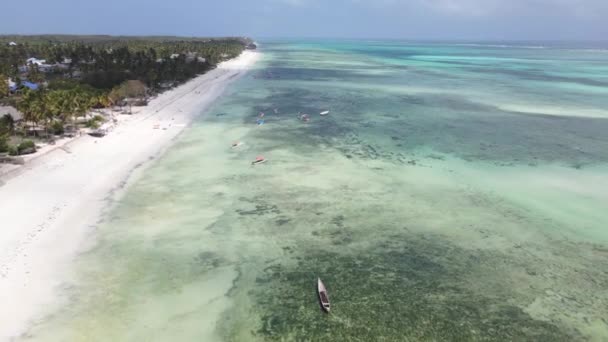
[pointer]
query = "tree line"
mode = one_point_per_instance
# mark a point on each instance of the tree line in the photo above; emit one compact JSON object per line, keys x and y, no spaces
{"x":85,"y":72}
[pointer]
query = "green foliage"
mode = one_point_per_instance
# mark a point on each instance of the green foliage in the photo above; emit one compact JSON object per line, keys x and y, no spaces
{"x":95,"y":122}
{"x":34,"y":74}
{"x":13,"y":150}
{"x":129,"y":89}
{"x":98,"y":71}
{"x":25,"y":144}
{"x":105,"y":61}
{"x":58,"y":104}
{"x":92,"y":124}
{"x":57,"y":128}
{"x":25,"y":147}
{"x":3,"y":85}
{"x":7,"y":124}
{"x":6,"y":127}
{"x":3,"y":142}
{"x":64,"y":84}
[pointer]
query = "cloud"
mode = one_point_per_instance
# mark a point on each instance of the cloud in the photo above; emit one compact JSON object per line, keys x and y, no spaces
{"x":477,"y":8}
{"x":465,"y":7}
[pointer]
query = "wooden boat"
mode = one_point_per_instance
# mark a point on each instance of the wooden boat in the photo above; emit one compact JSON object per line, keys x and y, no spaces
{"x":98,"y":133}
{"x":258,"y":160}
{"x":323,"y":298}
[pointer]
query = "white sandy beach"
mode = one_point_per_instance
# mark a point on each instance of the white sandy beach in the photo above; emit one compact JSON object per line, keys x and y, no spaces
{"x":50,"y":206}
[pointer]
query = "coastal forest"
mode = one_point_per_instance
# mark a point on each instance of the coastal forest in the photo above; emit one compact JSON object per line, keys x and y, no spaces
{"x":53,"y":82}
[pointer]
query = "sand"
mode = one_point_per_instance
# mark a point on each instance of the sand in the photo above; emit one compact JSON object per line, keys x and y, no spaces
{"x":49,"y":207}
{"x":428,"y":217}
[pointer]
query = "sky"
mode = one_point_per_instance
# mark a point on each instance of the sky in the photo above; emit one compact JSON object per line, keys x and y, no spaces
{"x":394,"y":19}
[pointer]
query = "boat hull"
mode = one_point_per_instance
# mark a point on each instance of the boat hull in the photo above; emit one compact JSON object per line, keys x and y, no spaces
{"x":323,"y":297}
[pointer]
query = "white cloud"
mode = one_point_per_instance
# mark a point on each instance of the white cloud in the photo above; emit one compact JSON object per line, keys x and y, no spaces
{"x":496,"y":7}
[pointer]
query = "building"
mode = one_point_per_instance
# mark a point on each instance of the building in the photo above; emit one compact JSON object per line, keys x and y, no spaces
{"x":38,"y":62}
{"x":12,"y":44}
{"x":12,"y":86}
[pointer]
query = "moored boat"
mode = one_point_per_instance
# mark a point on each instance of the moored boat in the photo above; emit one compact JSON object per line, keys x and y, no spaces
{"x":323,"y":297}
{"x":258,"y":160}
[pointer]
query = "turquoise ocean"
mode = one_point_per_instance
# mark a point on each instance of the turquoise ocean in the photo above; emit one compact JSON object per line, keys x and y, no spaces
{"x":454,"y":192}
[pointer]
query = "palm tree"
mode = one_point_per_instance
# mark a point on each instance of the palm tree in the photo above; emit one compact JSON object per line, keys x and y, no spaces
{"x":31,"y":106}
{"x":4,"y":89}
{"x":8,"y":123}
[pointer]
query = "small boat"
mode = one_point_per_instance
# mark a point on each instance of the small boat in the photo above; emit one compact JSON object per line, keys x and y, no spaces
{"x":98,"y":133}
{"x":258,"y":160}
{"x":237,"y":144}
{"x":304,"y":117}
{"x":323,"y":298}
{"x":324,"y":113}
{"x":260,"y":122}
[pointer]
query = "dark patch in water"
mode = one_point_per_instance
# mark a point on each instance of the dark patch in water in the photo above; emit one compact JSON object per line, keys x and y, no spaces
{"x":283,"y":221}
{"x":205,"y":261}
{"x":338,"y":221}
{"x":260,"y":209}
{"x":414,"y":290}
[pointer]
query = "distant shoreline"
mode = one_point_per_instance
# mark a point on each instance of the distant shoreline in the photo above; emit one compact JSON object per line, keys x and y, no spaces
{"x":51,"y":205}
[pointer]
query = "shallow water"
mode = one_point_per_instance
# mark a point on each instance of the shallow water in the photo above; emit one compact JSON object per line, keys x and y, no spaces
{"x":454,"y":192}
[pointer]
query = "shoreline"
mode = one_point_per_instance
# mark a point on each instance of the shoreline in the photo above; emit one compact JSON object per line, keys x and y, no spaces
{"x":52,"y":204}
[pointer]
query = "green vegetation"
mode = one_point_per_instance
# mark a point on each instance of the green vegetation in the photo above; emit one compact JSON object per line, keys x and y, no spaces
{"x":418,"y":292}
{"x":25,"y":147}
{"x":95,"y":121}
{"x":3,"y":86}
{"x":75,"y":74}
{"x":3,"y":143}
{"x":57,"y":128}
{"x":104,"y":62}
{"x":7,"y":127}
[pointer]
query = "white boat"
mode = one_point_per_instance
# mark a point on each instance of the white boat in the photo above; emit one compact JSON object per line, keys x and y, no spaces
{"x":324,"y":113}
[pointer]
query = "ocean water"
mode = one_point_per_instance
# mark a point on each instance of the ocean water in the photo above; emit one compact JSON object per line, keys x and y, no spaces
{"x":455,"y":192}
